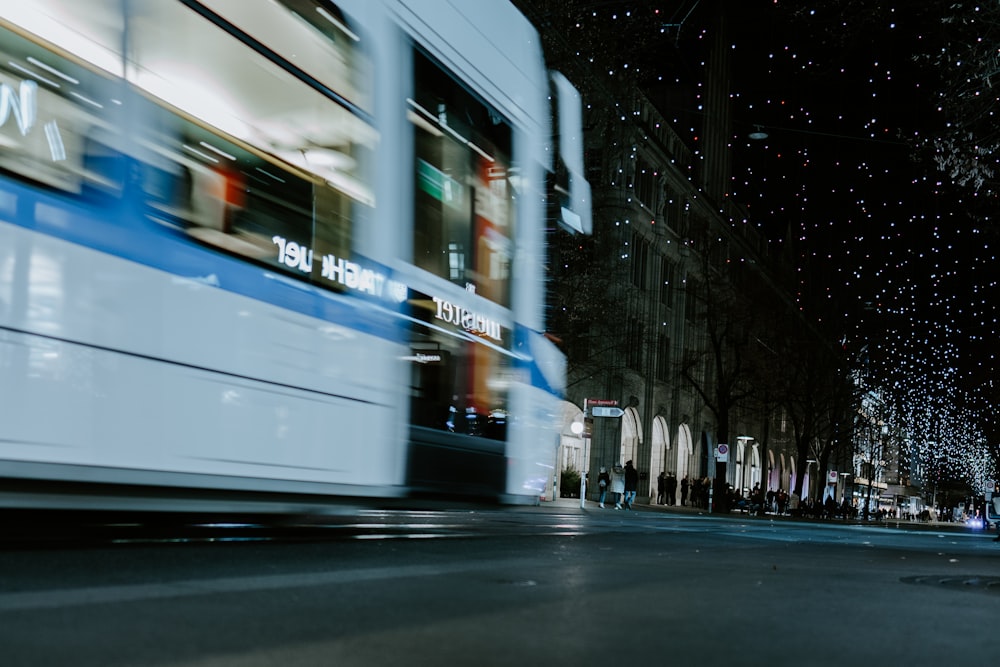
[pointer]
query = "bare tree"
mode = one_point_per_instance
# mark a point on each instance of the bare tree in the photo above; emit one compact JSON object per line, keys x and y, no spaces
{"x":816,"y":394}
{"x":717,"y":367}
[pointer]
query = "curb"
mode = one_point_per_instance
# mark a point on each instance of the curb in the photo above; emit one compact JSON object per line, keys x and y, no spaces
{"x":568,"y":504}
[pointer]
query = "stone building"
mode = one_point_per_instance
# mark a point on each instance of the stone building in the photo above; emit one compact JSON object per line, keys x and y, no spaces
{"x":676,"y":273}
{"x":665,"y":239}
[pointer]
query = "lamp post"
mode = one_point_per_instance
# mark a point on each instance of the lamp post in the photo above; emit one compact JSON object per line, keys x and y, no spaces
{"x":811,"y":487}
{"x":576,"y":428}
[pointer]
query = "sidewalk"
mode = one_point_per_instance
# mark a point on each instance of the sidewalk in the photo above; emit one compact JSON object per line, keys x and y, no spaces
{"x":573,"y":504}
{"x":569,"y":504}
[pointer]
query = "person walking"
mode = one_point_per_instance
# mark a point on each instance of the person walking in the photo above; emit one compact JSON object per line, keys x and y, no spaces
{"x":631,"y":484}
{"x":660,"y":487}
{"x":782,"y":501}
{"x":684,"y":490}
{"x":618,"y":485}
{"x":603,"y":482}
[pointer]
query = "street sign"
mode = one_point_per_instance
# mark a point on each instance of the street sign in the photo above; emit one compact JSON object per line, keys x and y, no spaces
{"x":606,"y":412}
{"x":722,"y":453}
{"x":603,"y":402}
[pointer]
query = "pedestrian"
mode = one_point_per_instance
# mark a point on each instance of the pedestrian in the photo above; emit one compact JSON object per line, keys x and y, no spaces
{"x":995,"y":500}
{"x":603,"y":482}
{"x":618,"y":484}
{"x":631,"y":483}
{"x":782,"y":501}
{"x":671,"y":489}
{"x":661,"y":484}
{"x":684,"y":490}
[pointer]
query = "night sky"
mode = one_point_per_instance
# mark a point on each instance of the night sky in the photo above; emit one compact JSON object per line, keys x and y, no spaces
{"x":893,"y":254}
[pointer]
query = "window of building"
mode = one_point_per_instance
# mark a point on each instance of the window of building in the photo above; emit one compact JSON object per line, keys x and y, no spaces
{"x":663,"y":358}
{"x":645,"y":184}
{"x":640,"y":255}
{"x":691,"y":301}
{"x":633,"y":344}
{"x":666,"y":282}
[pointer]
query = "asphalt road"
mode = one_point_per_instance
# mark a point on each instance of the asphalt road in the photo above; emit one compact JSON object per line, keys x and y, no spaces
{"x":534,"y":586}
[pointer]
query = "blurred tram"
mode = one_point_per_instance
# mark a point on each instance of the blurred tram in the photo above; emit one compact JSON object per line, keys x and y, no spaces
{"x":274,"y":255}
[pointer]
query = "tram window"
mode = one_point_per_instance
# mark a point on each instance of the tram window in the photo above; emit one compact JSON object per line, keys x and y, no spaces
{"x":264,"y":165}
{"x":89,"y":29}
{"x":223,"y":83}
{"x":59,"y":119}
{"x":324,"y":44}
{"x":464,"y":208}
{"x":457,"y":383}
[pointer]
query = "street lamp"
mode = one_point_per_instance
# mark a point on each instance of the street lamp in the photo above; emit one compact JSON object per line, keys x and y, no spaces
{"x":576,"y":428}
{"x":848,"y":486}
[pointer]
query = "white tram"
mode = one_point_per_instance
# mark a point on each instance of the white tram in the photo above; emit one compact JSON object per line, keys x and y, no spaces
{"x":268,"y":255}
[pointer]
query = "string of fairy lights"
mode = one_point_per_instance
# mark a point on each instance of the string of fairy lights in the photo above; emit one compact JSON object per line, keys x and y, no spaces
{"x":911,"y":271}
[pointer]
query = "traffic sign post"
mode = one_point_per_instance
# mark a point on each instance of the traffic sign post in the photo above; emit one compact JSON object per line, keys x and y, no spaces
{"x":721,"y":459}
{"x":593,"y":408}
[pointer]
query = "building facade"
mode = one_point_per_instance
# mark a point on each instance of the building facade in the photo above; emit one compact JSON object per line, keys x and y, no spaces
{"x":671,"y":309}
{"x":663,"y":241}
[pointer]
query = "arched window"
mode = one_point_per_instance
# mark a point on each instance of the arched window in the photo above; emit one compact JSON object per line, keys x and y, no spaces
{"x":631,"y":435}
